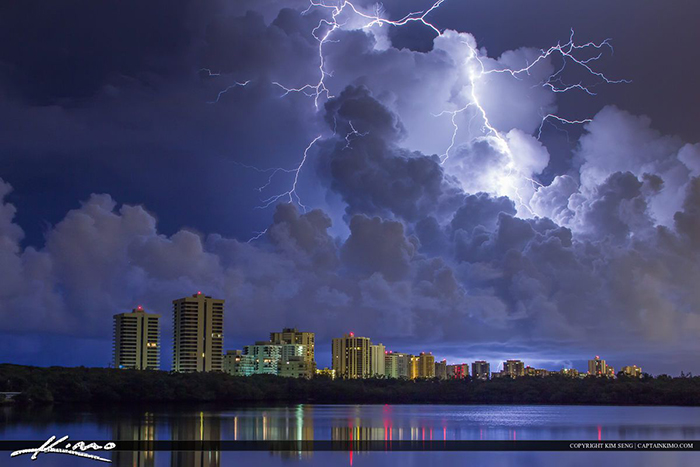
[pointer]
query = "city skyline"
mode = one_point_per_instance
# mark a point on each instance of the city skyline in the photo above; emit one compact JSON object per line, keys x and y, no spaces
{"x":447,"y":181}
{"x":290,"y":352}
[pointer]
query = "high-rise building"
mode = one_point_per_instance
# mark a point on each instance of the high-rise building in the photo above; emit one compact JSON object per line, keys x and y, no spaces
{"x":294,"y":336}
{"x":377,"y":366}
{"x":633,"y":371}
{"x":459,"y":371}
{"x":265,"y":357}
{"x":481,"y":370}
{"x":609,"y":371}
{"x":405,"y":365}
{"x":514,"y":368}
{"x":137,"y":340}
{"x":236,"y":363}
{"x":287,"y":351}
{"x":198,"y":333}
{"x":297,"y":367}
{"x":351,"y":356}
{"x":441,"y":369}
{"x":425,"y":365}
{"x":597,"y":367}
{"x":391,"y":364}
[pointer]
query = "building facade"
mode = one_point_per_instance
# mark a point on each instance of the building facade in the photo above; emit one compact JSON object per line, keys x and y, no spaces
{"x":198,"y":334}
{"x":425,"y":363}
{"x":634,"y":371}
{"x":297,"y":367}
{"x":294,"y":336}
{"x":265,"y":357}
{"x":377,"y":364}
{"x":441,"y":369}
{"x":597,"y":367}
{"x":136,"y":340}
{"x":404,"y":365}
{"x":391,"y":364}
{"x":481,"y":370}
{"x":514,"y":368}
{"x":459,"y":371}
{"x":351,"y":356}
{"x":236,"y":363}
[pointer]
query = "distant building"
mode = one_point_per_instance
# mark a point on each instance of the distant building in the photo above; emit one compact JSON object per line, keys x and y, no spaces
{"x":569,"y":372}
{"x":633,"y":371}
{"x":198,"y":334}
{"x":137,"y":340}
{"x":391,"y":364}
{"x":351,"y":356}
{"x":425,"y":363}
{"x":537,"y":372}
{"x":265,"y":357}
{"x":377,"y":364}
{"x":294,"y":336}
{"x":297,"y":367}
{"x":327,"y":372}
{"x":459,"y":371}
{"x":610,"y":372}
{"x":441,"y":369}
{"x":514,"y":368}
{"x":481,"y":370}
{"x":597,"y":367}
{"x":287,"y":351}
{"x":405,"y":365}
{"x":236,"y":363}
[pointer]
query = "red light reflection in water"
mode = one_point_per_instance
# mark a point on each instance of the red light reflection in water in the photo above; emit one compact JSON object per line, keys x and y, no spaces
{"x":444,"y":433}
{"x":351,"y":430}
{"x":599,"y":433}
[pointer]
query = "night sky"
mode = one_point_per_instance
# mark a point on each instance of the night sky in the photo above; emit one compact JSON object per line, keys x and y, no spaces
{"x":134,"y":170}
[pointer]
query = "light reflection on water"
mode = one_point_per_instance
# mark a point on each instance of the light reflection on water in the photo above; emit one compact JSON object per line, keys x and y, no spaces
{"x":361,"y":423}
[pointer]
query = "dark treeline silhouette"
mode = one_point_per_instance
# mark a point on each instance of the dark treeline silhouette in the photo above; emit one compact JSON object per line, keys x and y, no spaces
{"x":110,"y":386}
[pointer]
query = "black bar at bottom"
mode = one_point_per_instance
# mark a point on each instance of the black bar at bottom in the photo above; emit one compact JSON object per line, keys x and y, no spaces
{"x":328,"y":445}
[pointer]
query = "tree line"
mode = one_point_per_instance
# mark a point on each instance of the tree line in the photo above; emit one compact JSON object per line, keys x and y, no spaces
{"x":110,"y":386}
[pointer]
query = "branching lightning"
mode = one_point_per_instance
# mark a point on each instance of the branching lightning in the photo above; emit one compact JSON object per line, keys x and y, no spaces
{"x":291,"y":194}
{"x":340,"y":14}
{"x":225,"y":90}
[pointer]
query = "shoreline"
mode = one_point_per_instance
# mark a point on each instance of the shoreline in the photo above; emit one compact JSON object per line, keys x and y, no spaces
{"x":110,"y":387}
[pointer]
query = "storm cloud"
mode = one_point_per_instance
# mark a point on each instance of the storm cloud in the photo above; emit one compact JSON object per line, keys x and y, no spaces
{"x":140,"y":172}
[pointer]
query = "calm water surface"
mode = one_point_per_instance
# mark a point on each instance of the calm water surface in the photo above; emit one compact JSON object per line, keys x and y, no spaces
{"x":359,"y":422}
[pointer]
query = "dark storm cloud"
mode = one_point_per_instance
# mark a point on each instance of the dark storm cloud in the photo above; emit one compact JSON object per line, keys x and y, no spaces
{"x":368,"y":168}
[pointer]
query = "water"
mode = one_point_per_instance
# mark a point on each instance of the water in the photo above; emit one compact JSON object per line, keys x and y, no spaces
{"x":358,"y":422}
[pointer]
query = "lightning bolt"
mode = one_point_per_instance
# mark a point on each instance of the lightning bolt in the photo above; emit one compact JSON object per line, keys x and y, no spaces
{"x":569,"y":52}
{"x":235,"y":84}
{"x":291,"y":194}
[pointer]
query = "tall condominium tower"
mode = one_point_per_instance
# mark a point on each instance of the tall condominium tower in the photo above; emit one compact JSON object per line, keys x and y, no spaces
{"x":514,"y":368}
{"x":198,"y":333}
{"x":351,"y":356}
{"x":425,"y":365}
{"x":294,"y":336}
{"x":377,"y":365}
{"x":481,"y":369}
{"x":597,"y":367}
{"x":137,"y":340}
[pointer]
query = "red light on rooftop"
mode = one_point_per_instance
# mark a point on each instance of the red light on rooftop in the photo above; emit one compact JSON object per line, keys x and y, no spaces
{"x":352,"y":334}
{"x":199,"y":293}
{"x":139,"y":307}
